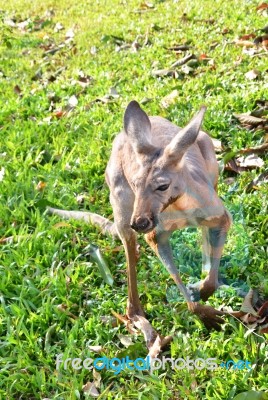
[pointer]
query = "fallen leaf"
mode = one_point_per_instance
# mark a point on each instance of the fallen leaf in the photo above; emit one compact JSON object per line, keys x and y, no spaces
{"x":90,"y":389}
{"x":84,"y":80}
{"x":73,"y":101}
{"x":17,"y":90}
{"x":263,"y":311}
{"x":122,"y":47}
{"x":248,"y":119}
{"x":69,"y":34}
{"x":109,"y":320}
{"x":186,"y":69}
{"x":248,"y":36}
{"x":125,"y":340}
{"x":23,"y":24}
{"x":251,"y":161}
{"x":41,"y":186}
{"x":96,"y":349}
{"x":183,"y":61}
{"x":243,"y":43}
{"x":248,"y":319}
{"x":252,"y":74}
{"x":170,"y":99}
{"x":262,"y":6}
{"x":254,"y":184}
{"x":9,"y":22}
{"x":64,"y":309}
{"x":59,"y":113}
{"x":225,"y":31}
{"x":180,"y":48}
{"x":263,"y":148}
{"x":247,"y":306}
{"x":146,"y":5}
{"x":264,"y":329}
{"x":203,"y":57}
{"x":231,"y":165}
{"x":97,"y":378}
{"x":164,"y":72}
{"x":217,"y":145}
{"x":58,"y":27}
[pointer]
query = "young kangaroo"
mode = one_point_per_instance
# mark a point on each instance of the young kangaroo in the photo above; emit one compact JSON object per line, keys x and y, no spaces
{"x":163,"y":178}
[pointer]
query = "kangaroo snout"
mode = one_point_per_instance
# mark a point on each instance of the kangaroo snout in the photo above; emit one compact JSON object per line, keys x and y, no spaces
{"x":142,"y":224}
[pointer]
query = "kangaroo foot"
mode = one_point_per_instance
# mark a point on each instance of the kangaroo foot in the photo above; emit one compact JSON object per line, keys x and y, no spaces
{"x":208,"y":315}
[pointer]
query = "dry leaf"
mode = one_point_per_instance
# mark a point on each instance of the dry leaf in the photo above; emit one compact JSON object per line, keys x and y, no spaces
{"x":248,"y":119}
{"x":164,"y":72}
{"x":125,"y":340}
{"x":263,"y":311}
{"x":217,"y":145}
{"x":17,"y":90}
{"x":255,"y":150}
{"x":109,"y":320}
{"x":97,"y":378}
{"x":180,"y":48}
{"x":69,"y":34}
{"x":170,"y":99}
{"x":40,"y":186}
{"x":90,"y":389}
{"x":247,"y":306}
{"x":262,"y":178}
{"x":248,"y":36}
{"x":84,"y":80}
{"x":183,"y":61}
{"x":96,"y":349}
{"x":58,"y":27}
{"x":248,"y":318}
{"x":262,"y":6}
{"x":59,"y":113}
{"x":146,"y":5}
{"x":243,"y":43}
{"x":64,"y":309}
{"x":264,"y":329}
{"x":252,"y":74}
{"x":73,"y":101}
{"x":186,"y":69}
{"x":251,"y":161}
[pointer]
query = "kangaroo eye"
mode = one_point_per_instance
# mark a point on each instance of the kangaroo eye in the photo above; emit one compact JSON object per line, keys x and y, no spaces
{"x":162,"y":188}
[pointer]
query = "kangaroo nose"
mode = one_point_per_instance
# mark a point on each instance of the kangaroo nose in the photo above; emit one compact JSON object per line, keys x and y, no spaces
{"x":141,"y":224}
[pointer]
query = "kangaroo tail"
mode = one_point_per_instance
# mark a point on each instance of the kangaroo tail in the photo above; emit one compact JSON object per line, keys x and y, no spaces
{"x":106,"y":226}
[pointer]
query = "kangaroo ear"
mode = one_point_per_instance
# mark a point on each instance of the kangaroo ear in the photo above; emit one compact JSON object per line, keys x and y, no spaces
{"x":184,"y":138}
{"x":138,"y":128}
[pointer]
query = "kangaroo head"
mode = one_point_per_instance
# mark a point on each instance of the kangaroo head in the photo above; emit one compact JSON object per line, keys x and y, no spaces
{"x":157,"y":176}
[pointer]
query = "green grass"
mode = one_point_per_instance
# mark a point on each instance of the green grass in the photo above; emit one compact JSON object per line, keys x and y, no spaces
{"x":49,"y":267}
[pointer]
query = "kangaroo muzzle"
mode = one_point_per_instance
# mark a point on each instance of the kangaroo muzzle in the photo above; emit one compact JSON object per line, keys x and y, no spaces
{"x":142,"y":224}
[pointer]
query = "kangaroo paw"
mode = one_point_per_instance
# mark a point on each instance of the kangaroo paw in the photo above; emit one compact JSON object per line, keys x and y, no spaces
{"x":208,"y":315}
